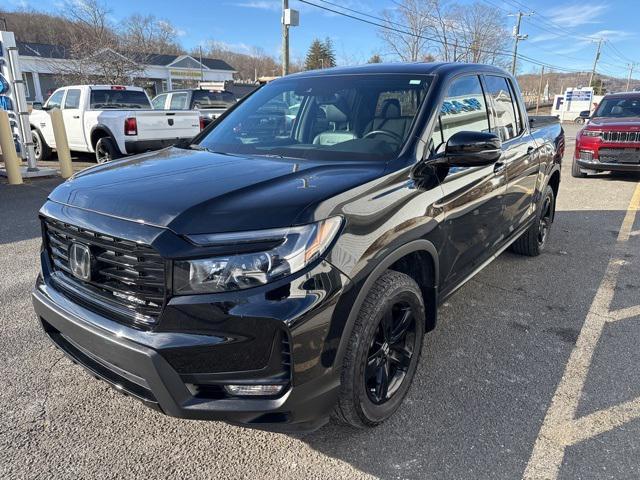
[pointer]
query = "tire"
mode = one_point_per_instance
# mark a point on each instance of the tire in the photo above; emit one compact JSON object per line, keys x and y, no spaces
{"x":533,"y":241}
{"x":578,"y":121}
{"x":106,"y":150}
{"x":42,"y":150}
{"x":395,"y":299}
{"x":575,"y":170}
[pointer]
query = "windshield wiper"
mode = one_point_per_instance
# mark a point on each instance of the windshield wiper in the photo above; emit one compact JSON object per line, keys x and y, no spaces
{"x":200,"y":148}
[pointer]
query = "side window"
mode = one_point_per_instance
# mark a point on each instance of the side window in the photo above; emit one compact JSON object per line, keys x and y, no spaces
{"x":72,"y":100}
{"x":504,"y":110}
{"x":463,"y":109}
{"x":55,"y":100}
{"x":158,"y":102}
{"x":178,"y":101}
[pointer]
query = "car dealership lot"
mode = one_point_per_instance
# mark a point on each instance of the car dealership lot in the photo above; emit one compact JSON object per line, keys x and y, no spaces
{"x":484,"y":389}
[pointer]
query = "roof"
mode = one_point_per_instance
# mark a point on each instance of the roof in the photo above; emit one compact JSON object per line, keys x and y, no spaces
{"x":415,"y":68}
{"x":30,"y":49}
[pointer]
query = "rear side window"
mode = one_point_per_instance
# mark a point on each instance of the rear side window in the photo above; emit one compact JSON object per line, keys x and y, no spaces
{"x":72,"y":99}
{"x":507,"y":124}
{"x":125,"y":99}
{"x":178,"y":101}
{"x":206,"y":99}
{"x":158,"y":102}
{"x":463,"y":109}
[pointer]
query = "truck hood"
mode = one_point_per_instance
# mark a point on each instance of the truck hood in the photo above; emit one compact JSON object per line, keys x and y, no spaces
{"x":192,"y":191}
{"x":626,"y":123}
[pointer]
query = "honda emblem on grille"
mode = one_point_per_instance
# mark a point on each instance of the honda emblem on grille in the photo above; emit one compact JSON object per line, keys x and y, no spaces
{"x":80,"y":261}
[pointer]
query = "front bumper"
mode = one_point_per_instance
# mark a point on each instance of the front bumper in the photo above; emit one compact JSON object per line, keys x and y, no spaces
{"x":146,"y":365}
{"x":603,"y":166}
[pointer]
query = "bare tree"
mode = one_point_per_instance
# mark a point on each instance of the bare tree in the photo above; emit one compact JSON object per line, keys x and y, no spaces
{"x":481,"y":34}
{"x":251,"y":63}
{"x":407,"y":28}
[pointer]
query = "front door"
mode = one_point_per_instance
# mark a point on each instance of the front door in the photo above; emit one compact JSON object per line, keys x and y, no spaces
{"x":73,"y":119}
{"x":473,"y":196}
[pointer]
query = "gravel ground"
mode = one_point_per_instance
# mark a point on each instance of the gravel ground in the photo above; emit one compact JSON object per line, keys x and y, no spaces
{"x":486,"y":380}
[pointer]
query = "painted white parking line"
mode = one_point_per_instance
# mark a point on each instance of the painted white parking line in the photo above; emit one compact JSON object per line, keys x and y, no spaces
{"x":560,"y":428}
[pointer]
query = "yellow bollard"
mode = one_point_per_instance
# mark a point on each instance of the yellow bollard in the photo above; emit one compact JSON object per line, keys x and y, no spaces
{"x":9,"y":155}
{"x":62,"y":145}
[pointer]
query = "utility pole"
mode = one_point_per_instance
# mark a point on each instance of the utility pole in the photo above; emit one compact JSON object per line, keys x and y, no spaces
{"x":285,"y":39}
{"x":518,"y":38}
{"x":595,"y":62}
{"x":539,"y":90}
{"x":631,"y":65}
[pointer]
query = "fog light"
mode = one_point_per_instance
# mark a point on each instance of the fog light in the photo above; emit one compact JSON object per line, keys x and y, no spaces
{"x":254,"y":390}
{"x":586,"y":155}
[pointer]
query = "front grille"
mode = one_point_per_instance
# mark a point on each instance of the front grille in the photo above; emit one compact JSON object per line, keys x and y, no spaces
{"x":621,"y":137}
{"x":619,"y":155}
{"x":128,"y":278}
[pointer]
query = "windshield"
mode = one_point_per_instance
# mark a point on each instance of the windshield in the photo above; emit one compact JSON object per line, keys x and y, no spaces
{"x":126,"y":99}
{"x":347,"y":117}
{"x":206,"y":99}
{"x":619,"y":107}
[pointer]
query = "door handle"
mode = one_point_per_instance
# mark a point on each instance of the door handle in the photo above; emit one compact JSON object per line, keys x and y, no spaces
{"x":499,"y":167}
{"x":76,"y":116}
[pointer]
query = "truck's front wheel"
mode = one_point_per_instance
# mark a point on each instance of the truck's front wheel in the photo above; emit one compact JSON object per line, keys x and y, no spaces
{"x":106,"y":150}
{"x":383,"y":351}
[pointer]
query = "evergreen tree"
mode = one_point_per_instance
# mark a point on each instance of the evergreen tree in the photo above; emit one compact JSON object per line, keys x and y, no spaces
{"x":315,"y":56}
{"x":329,"y":53}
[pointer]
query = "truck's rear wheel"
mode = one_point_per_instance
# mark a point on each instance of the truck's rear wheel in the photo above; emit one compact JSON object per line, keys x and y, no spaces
{"x":383,"y":352}
{"x":40,"y":147}
{"x":106,"y":150}
{"x":533,"y":241}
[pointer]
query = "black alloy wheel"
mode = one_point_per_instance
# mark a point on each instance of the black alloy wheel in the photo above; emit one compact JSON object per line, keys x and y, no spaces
{"x":546,"y":217}
{"x":390,"y":353}
{"x":383,"y":351}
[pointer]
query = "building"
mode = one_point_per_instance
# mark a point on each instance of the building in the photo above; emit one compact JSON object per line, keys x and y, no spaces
{"x":42,"y":65}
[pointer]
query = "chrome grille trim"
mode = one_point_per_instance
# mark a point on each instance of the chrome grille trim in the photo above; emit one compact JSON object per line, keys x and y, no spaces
{"x":129,"y":279}
{"x":620,"y":137}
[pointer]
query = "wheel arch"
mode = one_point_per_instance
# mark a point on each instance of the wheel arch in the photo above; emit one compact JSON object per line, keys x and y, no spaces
{"x":405,"y":259}
{"x":100,"y":131}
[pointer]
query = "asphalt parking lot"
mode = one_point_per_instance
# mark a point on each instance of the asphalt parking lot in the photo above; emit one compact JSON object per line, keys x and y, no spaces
{"x":532,"y":371}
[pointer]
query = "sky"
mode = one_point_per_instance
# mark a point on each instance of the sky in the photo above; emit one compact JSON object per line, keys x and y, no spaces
{"x":560,"y":32}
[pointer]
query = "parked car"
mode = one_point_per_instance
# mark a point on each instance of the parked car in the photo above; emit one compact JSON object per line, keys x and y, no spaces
{"x":275,"y":273}
{"x":111,"y":121}
{"x":209,"y":103}
{"x":611,"y":139}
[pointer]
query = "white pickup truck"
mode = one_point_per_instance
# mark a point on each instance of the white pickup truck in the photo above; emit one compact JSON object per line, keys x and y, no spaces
{"x":110,"y":121}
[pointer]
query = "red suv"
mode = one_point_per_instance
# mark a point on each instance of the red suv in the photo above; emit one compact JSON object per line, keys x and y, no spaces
{"x":611,"y":139}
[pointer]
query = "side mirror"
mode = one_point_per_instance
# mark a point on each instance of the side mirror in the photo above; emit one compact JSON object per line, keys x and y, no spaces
{"x":585,"y":114}
{"x":36,"y":105}
{"x":472,"y":149}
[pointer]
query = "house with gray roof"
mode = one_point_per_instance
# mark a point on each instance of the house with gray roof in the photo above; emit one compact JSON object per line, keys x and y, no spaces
{"x":43,"y":64}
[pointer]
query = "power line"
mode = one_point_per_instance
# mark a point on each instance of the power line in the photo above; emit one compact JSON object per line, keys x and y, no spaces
{"x":433,"y":39}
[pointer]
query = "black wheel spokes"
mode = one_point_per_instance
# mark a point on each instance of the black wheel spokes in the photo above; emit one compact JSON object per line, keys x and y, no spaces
{"x":390,"y":353}
{"x":545,"y":221}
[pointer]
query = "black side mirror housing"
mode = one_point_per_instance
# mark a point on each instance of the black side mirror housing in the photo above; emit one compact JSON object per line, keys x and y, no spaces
{"x":472,"y":149}
{"x":585,"y":114}
{"x":36,"y":105}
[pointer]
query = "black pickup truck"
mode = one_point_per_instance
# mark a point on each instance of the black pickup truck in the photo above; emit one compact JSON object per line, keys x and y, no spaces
{"x":279,"y":271}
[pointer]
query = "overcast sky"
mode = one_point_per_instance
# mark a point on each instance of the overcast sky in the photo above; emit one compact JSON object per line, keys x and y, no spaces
{"x":245,"y":23}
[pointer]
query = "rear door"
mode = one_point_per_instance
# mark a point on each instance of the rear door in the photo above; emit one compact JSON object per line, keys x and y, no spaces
{"x":73,"y":119}
{"x":520,"y":157}
{"x":473,"y":196}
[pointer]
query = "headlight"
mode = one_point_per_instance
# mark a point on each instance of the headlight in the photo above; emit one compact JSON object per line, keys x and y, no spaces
{"x":591,"y":133}
{"x":294,"y":249}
